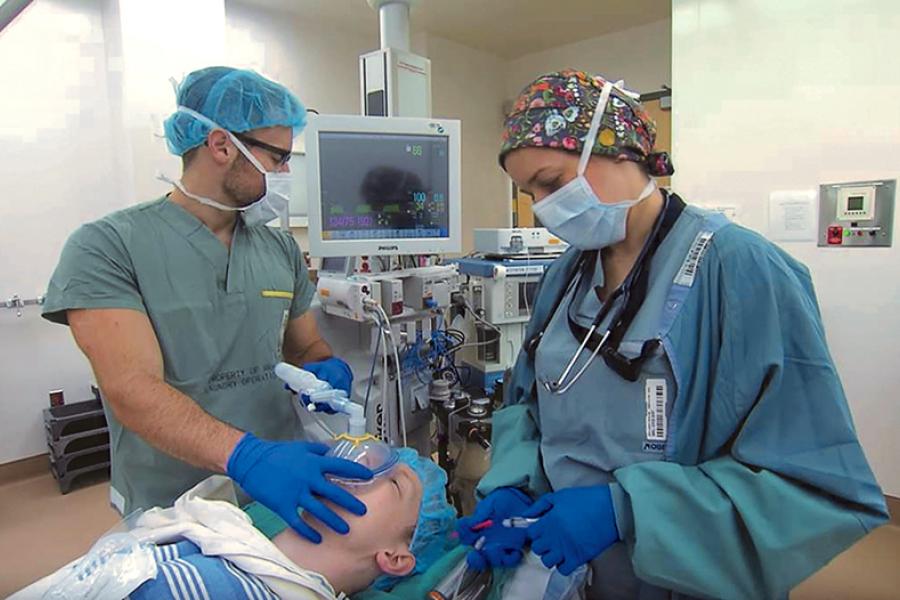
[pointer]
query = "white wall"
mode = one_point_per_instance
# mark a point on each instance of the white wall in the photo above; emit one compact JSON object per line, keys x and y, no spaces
{"x":467,"y":84}
{"x":156,"y":41}
{"x":90,"y":90}
{"x":318,"y":62}
{"x":640,"y":55}
{"x":57,"y":171}
{"x":774,"y":95}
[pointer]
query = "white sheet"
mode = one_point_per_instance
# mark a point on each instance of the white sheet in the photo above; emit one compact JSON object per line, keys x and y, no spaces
{"x":208,"y":516}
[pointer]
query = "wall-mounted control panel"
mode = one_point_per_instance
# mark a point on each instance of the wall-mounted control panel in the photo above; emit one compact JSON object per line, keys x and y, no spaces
{"x":857,"y":215}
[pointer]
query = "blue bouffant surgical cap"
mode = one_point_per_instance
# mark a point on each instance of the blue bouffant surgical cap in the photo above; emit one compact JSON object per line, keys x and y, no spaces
{"x":236,"y":99}
{"x":437,"y":518}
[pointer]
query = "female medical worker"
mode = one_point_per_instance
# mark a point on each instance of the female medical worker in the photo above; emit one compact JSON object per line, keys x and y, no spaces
{"x":675,"y":419}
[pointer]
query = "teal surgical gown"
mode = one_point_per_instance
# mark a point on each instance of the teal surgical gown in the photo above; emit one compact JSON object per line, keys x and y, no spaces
{"x":219,"y":315}
{"x":733,"y":461}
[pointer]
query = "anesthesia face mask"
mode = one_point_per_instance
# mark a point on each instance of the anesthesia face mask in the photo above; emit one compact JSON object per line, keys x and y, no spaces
{"x":367,"y":450}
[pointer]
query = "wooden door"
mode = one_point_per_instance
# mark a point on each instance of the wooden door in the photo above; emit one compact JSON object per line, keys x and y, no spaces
{"x":521,"y":207}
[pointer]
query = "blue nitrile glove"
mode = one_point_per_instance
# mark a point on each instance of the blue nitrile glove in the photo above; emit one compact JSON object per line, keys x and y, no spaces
{"x":576,"y":525}
{"x":285,"y":476}
{"x":502,"y":546}
{"x":333,"y":370}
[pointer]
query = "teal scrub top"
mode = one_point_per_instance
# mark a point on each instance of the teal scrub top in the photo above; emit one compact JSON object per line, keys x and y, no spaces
{"x":219,"y":315}
{"x":760,"y":479}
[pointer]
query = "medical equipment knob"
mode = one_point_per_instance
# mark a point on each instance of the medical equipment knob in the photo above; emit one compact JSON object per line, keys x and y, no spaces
{"x":479,"y":407}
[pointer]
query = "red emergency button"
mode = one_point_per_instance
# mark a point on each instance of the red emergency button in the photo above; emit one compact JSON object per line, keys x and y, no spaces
{"x":835,"y":235}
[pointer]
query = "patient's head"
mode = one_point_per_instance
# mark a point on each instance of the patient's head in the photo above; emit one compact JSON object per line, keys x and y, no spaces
{"x":406,"y":527}
{"x":385,"y":532}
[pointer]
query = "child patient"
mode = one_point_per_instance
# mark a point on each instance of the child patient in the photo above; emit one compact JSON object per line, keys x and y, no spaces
{"x":206,"y":547}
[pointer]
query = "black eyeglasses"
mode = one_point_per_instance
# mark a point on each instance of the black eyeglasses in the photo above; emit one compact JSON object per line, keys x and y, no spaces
{"x":282,"y":156}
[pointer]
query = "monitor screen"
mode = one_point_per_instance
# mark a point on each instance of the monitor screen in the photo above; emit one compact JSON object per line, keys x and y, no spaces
{"x":334,"y":264}
{"x":377,"y":186}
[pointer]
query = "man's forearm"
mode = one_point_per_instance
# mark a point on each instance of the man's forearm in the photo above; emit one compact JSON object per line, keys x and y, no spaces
{"x":173,"y":423}
{"x":318,"y":350}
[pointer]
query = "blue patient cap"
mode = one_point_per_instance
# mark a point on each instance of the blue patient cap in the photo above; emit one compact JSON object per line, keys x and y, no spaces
{"x":437,"y":518}
{"x":236,"y":99}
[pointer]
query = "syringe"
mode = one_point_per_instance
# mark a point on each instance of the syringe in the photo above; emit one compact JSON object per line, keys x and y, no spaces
{"x":519,"y":522}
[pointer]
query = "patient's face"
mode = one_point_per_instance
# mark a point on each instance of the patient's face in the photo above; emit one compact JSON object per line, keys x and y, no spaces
{"x":378,"y":542}
{"x":393,"y":510}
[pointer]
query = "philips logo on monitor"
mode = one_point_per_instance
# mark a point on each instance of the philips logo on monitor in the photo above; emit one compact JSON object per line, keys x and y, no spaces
{"x":388,"y":248}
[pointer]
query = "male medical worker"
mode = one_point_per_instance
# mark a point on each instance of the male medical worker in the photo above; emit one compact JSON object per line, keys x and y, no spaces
{"x":184,"y":304}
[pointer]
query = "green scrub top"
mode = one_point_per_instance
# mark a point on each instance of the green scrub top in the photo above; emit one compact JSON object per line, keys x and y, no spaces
{"x":219,"y":316}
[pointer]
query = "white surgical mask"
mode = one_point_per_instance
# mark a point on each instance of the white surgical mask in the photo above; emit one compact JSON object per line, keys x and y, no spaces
{"x":274,"y":203}
{"x":575,"y":214}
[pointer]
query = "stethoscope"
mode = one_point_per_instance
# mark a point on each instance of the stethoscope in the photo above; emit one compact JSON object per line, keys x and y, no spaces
{"x":631,"y":292}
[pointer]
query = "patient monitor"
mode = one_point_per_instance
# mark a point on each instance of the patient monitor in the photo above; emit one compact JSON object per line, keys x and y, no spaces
{"x":384,"y":200}
{"x":383,"y":186}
